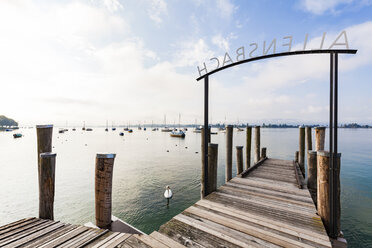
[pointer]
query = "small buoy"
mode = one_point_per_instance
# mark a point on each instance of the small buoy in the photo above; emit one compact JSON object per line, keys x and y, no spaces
{"x":196,"y":152}
{"x":85,"y":144}
{"x":176,"y":144}
{"x":185,"y":147}
{"x":168,"y":192}
{"x":167,"y":150}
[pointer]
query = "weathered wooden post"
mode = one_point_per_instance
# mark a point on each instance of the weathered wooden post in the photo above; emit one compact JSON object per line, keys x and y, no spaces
{"x":256,"y":144}
{"x":301,"y":154}
{"x":323,"y":190}
{"x":248,"y":147}
{"x":239,"y":159}
{"x":103,"y":188}
{"x":212,"y":168}
{"x":47,"y":167}
{"x":229,"y":143}
{"x":203,"y":189}
{"x":319,"y":138}
{"x":263,"y":152}
{"x":309,"y":143}
{"x":312,"y":174}
{"x":44,"y":135}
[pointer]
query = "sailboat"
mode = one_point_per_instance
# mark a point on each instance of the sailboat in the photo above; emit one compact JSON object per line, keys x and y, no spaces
{"x":126,"y":128}
{"x":106,"y":126}
{"x":112,"y":127}
{"x":83,"y":127}
{"x":166,"y":129}
{"x":197,"y":129}
{"x":178,"y":133}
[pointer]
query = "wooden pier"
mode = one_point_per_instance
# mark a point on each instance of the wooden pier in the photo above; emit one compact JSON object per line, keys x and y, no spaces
{"x":268,"y":205}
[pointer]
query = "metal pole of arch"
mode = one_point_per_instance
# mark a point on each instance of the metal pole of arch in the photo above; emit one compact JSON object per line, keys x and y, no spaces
{"x":333,"y":173}
{"x":206,"y":135}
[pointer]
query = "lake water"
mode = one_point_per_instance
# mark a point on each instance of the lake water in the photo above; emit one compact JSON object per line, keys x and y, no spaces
{"x":147,"y":161}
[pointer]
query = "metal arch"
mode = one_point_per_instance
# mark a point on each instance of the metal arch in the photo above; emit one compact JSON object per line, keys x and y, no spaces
{"x":333,"y":122}
{"x":318,"y":51}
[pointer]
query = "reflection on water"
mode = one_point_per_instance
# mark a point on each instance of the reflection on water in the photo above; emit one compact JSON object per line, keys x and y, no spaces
{"x":143,"y":168}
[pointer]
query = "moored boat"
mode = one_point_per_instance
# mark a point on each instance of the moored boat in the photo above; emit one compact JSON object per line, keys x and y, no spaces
{"x":166,"y":129}
{"x":179,"y":134}
{"x":121,"y":134}
{"x":17,"y":135}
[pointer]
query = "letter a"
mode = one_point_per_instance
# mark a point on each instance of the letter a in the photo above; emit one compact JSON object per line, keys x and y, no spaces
{"x":346,"y":43}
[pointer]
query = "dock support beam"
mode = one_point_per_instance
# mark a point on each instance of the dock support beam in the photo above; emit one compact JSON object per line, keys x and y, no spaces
{"x":239,"y":159}
{"x":296,"y":156}
{"x":47,"y":163}
{"x":309,"y":143}
{"x":212,"y":168}
{"x":248,"y":147}
{"x":323,"y":191}
{"x":229,"y":143}
{"x":312,"y":174}
{"x":257,"y":144}
{"x":319,"y":138}
{"x":263,"y":152}
{"x":301,"y":148}
{"x":103,"y":189}
{"x":44,"y":134}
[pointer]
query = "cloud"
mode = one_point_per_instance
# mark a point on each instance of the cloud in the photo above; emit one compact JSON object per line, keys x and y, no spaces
{"x":157,"y":8}
{"x":313,"y":109}
{"x":221,"y":42}
{"x":112,"y":5}
{"x":192,"y":52}
{"x":226,"y":8}
{"x":319,"y":7}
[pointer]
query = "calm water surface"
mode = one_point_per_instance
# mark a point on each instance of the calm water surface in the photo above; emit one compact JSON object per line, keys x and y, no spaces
{"x":143,"y":168}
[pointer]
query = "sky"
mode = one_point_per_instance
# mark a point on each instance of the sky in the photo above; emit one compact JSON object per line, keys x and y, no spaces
{"x":118,"y":61}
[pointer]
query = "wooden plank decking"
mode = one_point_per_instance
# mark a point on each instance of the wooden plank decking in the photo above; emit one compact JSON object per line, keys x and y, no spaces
{"x":33,"y":232}
{"x":264,"y":208}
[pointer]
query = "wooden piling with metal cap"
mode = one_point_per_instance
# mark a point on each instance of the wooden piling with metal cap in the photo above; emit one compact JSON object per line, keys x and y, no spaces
{"x":312,"y":174}
{"x":323,"y":190}
{"x":301,"y":149}
{"x":248,"y":147}
{"x":44,"y":134}
{"x":212,"y":168}
{"x":257,"y":144}
{"x":203,"y":189}
{"x":263,"y":152}
{"x":103,"y":188}
{"x":229,"y":143}
{"x":47,"y":162}
{"x":309,"y":142}
{"x":319,"y":138}
{"x":239,"y":159}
